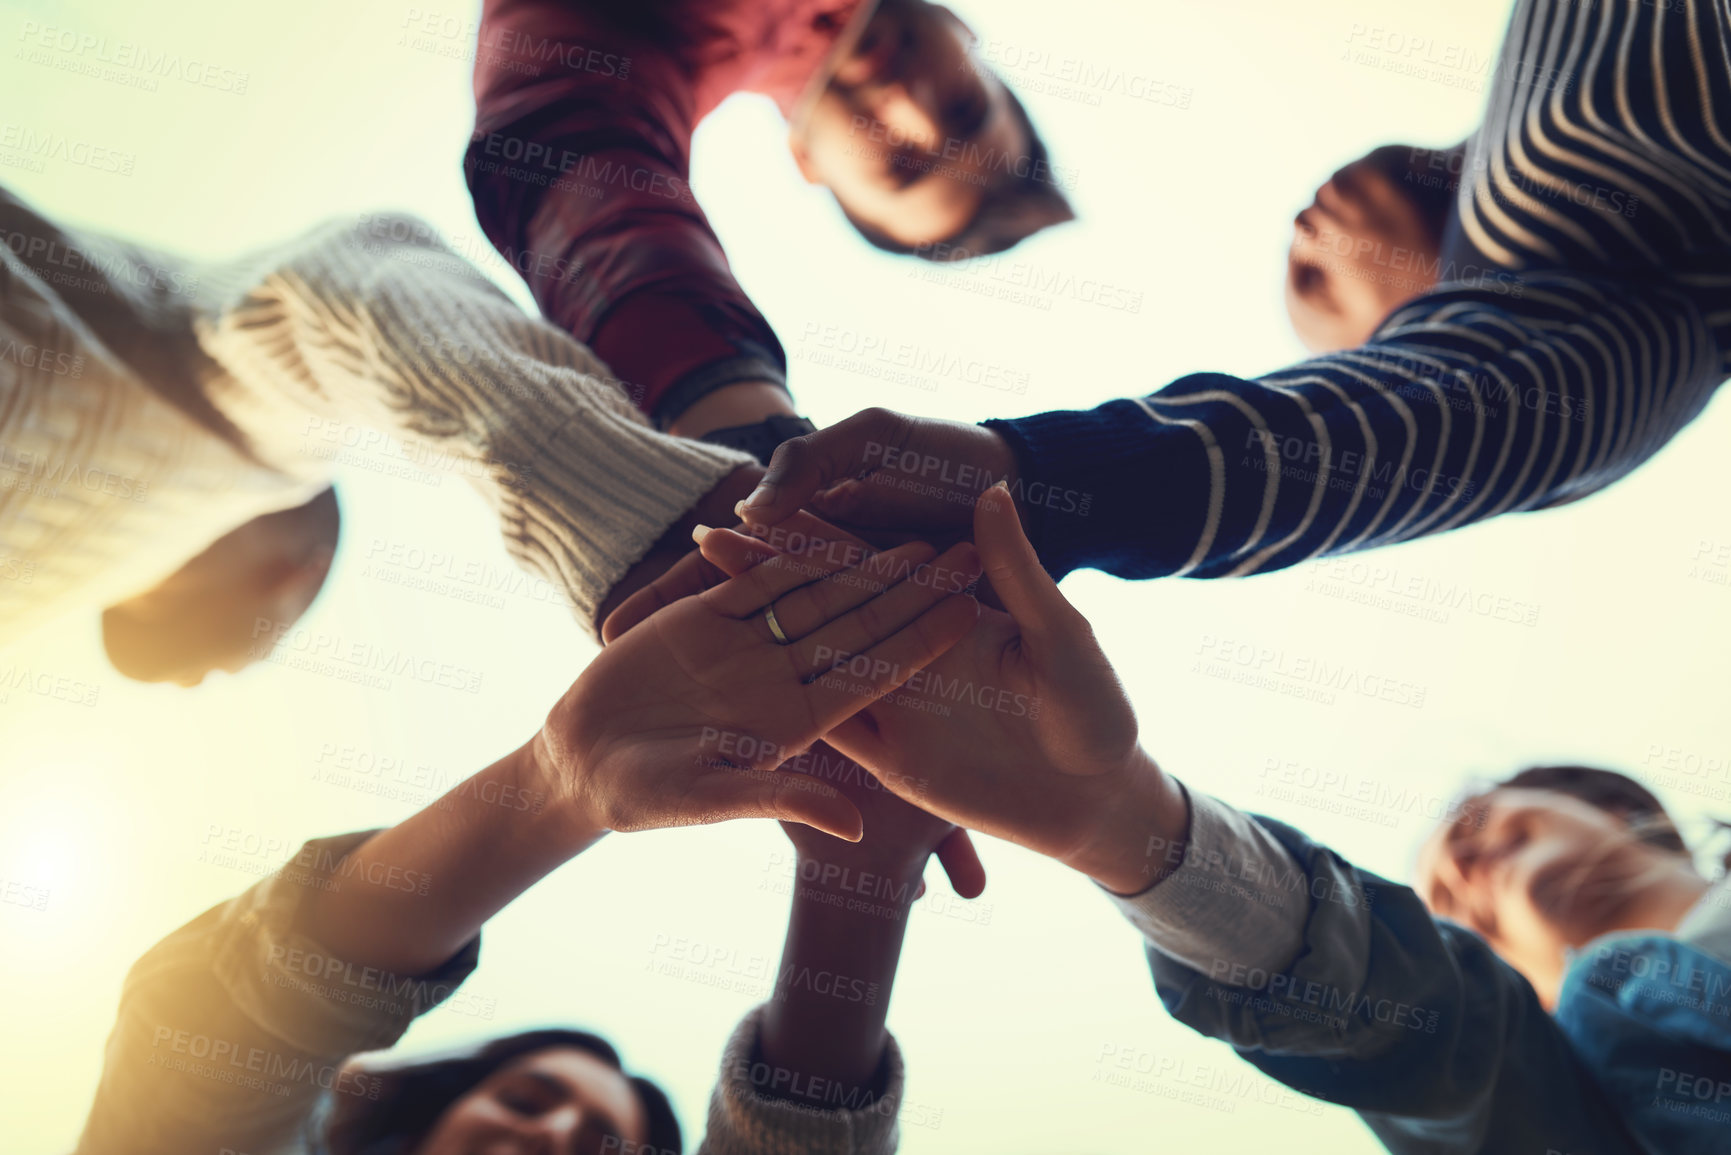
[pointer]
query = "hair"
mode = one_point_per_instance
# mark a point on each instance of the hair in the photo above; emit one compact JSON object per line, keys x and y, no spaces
{"x":411,"y":1098}
{"x":1012,"y":209}
{"x":1613,"y":793}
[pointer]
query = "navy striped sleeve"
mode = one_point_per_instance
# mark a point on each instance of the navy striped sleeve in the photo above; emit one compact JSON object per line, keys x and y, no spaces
{"x":1471,"y":401}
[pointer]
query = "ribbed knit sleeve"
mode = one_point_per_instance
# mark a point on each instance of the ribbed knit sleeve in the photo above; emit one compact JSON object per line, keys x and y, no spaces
{"x":743,"y":1121}
{"x":377,"y":325}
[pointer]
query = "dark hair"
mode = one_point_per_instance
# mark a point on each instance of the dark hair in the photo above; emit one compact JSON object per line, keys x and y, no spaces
{"x":1012,"y":209}
{"x":1611,"y":792}
{"x":411,"y":1098}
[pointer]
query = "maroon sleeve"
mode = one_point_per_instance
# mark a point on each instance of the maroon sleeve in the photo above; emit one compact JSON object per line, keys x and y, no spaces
{"x":579,"y":167}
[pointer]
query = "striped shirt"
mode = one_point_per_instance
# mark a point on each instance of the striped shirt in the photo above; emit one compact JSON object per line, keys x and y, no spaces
{"x":1596,"y":203}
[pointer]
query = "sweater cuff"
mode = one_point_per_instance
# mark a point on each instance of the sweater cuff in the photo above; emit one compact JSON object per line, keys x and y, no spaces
{"x":1232,"y":899}
{"x":295,"y":990}
{"x":1110,"y":488}
{"x":744,"y":1122}
{"x":601,"y":490}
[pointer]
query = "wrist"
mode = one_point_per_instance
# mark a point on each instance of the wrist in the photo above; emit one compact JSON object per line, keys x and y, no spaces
{"x":891,"y":879}
{"x":563,"y":820}
{"x":738,"y":404}
{"x":1138,"y":836}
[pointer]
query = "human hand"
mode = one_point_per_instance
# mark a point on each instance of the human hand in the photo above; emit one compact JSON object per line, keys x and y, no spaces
{"x":636,"y":743}
{"x":693,"y":573}
{"x":883,"y":469}
{"x":1039,"y":743}
{"x":899,"y":836}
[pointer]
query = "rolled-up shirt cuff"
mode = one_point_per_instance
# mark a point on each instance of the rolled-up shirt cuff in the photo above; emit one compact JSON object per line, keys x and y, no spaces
{"x":1237,"y":897}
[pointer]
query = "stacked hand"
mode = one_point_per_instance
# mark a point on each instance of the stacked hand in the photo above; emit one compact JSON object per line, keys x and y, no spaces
{"x":683,"y":719}
{"x":1038,"y":744}
{"x":884,"y":470}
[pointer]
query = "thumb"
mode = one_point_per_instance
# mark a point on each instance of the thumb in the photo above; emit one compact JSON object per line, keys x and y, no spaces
{"x":1010,"y":563}
{"x":804,"y":465}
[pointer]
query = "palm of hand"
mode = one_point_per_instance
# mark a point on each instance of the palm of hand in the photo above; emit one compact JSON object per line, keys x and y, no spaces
{"x":1021,"y":727}
{"x":673,"y":715}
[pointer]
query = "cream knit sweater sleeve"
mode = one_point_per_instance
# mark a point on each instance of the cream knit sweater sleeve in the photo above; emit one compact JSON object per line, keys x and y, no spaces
{"x":375,"y":336}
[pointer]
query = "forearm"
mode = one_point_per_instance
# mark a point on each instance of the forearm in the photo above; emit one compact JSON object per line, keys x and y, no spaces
{"x":1471,"y":402}
{"x":415,"y":893}
{"x":380,"y":326}
{"x":824,"y":1026}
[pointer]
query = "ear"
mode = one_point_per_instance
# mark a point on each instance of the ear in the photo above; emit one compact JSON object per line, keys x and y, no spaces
{"x":802,"y":158}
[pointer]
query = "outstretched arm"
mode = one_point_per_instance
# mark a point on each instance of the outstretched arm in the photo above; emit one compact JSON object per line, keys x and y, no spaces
{"x":1470,"y":402}
{"x":375,"y":340}
{"x":579,"y":166}
{"x":814,"y":1069}
{"x":1327,"y":978}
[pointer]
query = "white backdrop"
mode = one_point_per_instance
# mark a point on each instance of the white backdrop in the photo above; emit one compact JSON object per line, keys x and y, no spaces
{"x":1006,"y":1009}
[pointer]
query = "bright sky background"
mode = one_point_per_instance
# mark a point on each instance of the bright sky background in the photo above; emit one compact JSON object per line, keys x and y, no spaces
{"x":1004,"y":1009}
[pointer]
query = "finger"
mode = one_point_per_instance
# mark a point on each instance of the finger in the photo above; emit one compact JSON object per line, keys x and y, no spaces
{"x":723,"y":795}
{"x":804,"y":465}
{"x":810,"y":608}
{"x":736,"y":550}
{"x":1028,"y":592}
{"x":891,"y":500}
{"x":961,"y":861}
{"x":730,"y":551}
{"x":743,"y":596}
{"x":859,"y":739}
{"x":689,"y":575}
{"x":904,"y":593}
{"x":876,"y":672}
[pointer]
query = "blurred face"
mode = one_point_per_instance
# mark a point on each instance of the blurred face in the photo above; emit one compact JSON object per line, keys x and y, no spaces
{"x":1534,"y":873}
{"x":206,"y":616}
{"x":558,"y":1101}
{"x":1361,"y":250}
{"x":912,"y":128}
